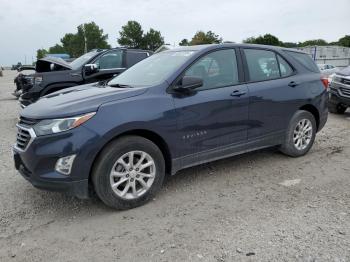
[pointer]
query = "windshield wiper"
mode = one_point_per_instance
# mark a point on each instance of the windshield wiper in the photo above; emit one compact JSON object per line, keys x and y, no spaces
{"x":119,"y":85}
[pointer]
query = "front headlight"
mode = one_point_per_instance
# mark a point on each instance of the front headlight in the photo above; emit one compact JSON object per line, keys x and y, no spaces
{"x":29,"y":80}
{"x":38,"y":80}
{"x":52,"y":126}
{"x":336,"y":79}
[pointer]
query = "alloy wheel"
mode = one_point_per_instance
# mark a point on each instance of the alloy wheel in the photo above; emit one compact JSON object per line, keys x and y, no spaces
{"x":302,"y":134}
{"x":132,"y":174}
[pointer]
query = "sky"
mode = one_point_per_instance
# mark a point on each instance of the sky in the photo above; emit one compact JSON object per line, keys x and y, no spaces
{"x":27,"y":25}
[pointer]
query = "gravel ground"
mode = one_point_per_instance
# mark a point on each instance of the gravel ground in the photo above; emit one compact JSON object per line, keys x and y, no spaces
{"x":261,"y":206}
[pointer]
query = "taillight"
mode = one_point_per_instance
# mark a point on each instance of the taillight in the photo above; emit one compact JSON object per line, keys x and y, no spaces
{"x":325,"y":81}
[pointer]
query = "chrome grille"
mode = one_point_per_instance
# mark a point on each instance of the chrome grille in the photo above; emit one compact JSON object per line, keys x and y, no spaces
{"x":346,"y":81}
{"x":24,"y":137}
{"x":345,"y":91}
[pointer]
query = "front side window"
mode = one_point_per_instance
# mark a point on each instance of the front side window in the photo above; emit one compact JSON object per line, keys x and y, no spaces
{"x":113,"y":59}
{"x":217,"y":69}
{"x":262,"y":64}
{"x":153,"y":70}
{"x":80,"y":61}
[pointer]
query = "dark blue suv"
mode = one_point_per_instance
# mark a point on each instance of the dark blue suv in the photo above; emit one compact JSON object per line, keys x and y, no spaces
{"x":173,"y":110}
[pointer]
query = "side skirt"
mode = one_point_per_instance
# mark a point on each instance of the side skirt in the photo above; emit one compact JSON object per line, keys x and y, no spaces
{"x":227,"y":151}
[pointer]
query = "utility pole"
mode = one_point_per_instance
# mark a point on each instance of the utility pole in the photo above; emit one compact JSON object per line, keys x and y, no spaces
{"x":85,"y":46}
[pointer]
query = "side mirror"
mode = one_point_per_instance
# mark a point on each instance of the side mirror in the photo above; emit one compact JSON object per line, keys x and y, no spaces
{"x":90,"y":69}
{"x":52,"y":67}
{"x":189,"y":83}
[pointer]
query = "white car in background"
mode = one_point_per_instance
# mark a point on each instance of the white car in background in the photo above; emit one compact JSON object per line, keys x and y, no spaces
{"x":327,"y":69}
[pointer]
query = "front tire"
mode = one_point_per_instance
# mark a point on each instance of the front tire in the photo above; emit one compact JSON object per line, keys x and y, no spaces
{"x":128,"y":172}
{"x":300,"y":135}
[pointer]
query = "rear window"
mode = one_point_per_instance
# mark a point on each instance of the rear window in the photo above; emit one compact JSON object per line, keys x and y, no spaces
{"x":305,"y":60}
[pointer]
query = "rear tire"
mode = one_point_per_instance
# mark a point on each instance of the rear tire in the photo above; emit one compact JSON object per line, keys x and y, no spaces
{"x":300,"y":134}
{"x":128,"y":159}
{"x":336,"y":108}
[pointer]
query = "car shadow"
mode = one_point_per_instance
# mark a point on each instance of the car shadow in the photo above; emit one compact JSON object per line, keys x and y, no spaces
{"x":61,"y":204}
{"x":8,"y":99}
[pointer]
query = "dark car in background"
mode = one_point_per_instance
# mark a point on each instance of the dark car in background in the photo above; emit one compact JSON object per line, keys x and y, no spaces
{"x":176,"y":109}
{"x":339,"y":87}
{"x":53,"y":74}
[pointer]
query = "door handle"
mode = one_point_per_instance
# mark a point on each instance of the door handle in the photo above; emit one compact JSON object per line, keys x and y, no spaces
{"x":238,"y":93}
{"x":75,"y":74}
{"x":293,"y":84}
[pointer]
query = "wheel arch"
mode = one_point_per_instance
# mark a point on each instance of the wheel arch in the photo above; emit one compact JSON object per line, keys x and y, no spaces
{"x":148,"y":134}
{"x":314,"y":111}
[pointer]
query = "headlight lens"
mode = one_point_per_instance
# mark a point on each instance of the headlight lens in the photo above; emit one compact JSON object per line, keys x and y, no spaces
{"x":38,"y":80}
{"x":29,"y":80}
{"x":52,"y":126}
{"x":336,"y":79}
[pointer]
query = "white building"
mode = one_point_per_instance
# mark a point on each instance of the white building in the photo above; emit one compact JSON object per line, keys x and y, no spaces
{"x":334,"y":55}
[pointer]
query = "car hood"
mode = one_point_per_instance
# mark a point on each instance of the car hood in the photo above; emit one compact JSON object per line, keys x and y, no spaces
{"x":345,"y":71}
{"x":77,"y":100}
{"x":43,"y":64}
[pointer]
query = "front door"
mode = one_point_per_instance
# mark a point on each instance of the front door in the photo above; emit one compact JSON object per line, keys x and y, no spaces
{"x":109,"y":65}
{"x":215,"y":115}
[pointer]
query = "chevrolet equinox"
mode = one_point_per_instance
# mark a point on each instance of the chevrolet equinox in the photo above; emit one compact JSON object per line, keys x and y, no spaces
{"x":175,"y":109}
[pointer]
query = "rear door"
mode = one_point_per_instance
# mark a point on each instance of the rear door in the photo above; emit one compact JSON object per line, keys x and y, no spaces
{"x":135,"y":56}
{"x":109,"y":65}
{"x":271,"y":81}
{"x":215,"y":115}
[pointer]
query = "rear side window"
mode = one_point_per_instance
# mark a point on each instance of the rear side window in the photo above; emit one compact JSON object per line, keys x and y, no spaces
{"x":305,"y":60}
{"x":135,"y":57}
{"x":285,"y":68}
{"x":262,"y":64}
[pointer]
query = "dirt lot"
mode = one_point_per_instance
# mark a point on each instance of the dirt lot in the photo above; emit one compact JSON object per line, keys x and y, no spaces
{"x":261,"y":206}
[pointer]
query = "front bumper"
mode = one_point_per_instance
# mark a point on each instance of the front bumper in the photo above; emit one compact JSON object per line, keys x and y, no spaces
{"x":37,"y":162}
{"x":336,"y":96}
{"x":74,"y":188}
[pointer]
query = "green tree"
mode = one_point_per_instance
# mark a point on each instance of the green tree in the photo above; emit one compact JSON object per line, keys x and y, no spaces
{"x":57,"y":49}
{"x":131,"y":35}
{"x":314,"y":42}
{"x":94,"y":36}
{"x":152,"y":40}
{"x":202,"y":38}
{"x":266,"y":39}
{"x":184,"y":42}
{"x":41,"y":53}
{"x":289,"y":44}
{"x":344,"y":41}
{"x":73,"y":46}
{"x":89,"y":35}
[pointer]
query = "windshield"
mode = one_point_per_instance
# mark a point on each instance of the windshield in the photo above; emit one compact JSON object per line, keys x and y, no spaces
{"x":80,"y":61}
{"x":153,"y":70}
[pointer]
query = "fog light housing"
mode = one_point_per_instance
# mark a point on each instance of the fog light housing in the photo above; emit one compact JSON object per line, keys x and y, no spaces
{"x":64,"y":164}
